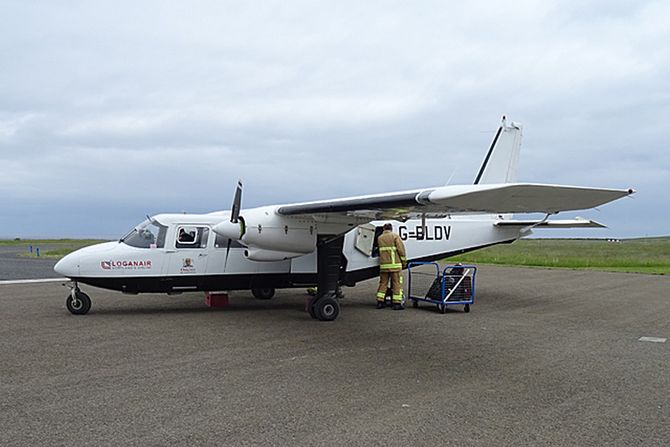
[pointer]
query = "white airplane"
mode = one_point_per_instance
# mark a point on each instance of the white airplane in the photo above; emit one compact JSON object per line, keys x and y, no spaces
{"x":326,"y":243}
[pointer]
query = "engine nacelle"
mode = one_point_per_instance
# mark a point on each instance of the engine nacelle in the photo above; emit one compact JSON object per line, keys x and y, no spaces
{"x":259,"y":254}
{"x":262,"y":229}
{"x":267,"y":230}
{"x":229,"y":229}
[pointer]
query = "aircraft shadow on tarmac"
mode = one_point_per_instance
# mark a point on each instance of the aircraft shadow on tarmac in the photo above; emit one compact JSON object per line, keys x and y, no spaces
{"x":196,"y":306}
{"x":244,"y":306}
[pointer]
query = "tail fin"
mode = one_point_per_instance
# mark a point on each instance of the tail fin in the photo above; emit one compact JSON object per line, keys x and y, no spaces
{"x":502,"y":160}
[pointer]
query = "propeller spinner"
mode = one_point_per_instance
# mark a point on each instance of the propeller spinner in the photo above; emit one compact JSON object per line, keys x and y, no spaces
{"x":233,"y":230}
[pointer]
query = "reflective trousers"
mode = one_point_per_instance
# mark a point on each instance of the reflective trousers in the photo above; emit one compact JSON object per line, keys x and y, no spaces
{"x":396,"y":285}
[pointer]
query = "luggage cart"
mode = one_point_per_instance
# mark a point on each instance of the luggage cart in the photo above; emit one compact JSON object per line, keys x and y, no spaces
{"x":451,"y":285}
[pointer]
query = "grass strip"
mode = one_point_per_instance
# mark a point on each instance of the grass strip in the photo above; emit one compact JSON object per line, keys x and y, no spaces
{"x":651,"y":255}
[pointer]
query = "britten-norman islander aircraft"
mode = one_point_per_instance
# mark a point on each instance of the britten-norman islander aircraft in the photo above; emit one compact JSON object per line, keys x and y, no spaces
{"x":326,"y":243}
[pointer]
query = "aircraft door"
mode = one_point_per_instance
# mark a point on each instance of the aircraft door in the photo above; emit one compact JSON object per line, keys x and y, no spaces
{"x":366,"y":239}
{"x":187,"y":264}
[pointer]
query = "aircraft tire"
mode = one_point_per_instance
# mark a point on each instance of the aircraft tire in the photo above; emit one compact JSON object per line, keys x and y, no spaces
{"x":263,"y":293}
{"x":310,"y":308}
{"x":79,"y":306}
{"x":326,"y":308}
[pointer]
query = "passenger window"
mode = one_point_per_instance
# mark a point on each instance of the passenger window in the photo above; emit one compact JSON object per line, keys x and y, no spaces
{"x":192,"y":237}
{"x":204,"y":236}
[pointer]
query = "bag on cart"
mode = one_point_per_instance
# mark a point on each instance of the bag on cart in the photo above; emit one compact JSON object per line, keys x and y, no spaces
{"x":458,"y":292}
{"x":461,"y":286}
{"x":435,"y":290}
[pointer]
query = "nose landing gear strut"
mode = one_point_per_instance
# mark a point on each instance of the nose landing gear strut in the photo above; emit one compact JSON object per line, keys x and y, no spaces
{"x":77,"y":302}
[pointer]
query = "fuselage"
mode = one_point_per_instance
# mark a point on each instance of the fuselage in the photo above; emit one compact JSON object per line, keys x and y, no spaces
{"x":172,"y":253}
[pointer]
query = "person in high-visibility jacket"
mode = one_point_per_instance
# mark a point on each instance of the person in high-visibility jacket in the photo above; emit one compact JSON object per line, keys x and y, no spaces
{"x":392,"y":259}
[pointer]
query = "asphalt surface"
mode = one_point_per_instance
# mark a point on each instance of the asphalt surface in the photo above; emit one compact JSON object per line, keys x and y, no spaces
{"x":13,"y":266}
{"x":545,"y":358}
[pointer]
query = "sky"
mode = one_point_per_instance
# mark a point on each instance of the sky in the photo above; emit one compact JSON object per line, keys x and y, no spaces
{"x":110,"y":111}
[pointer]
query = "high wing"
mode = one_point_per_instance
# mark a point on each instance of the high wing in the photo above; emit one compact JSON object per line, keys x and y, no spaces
{"x":462,"y":199}
{"x":577,"y":222}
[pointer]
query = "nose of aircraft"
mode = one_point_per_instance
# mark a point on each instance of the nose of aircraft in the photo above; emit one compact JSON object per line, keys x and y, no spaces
{"x":68,"y":266}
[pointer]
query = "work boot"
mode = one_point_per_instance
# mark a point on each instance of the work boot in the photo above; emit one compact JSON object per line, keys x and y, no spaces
{"x":398,"y":306}
{"x":380,"y":305}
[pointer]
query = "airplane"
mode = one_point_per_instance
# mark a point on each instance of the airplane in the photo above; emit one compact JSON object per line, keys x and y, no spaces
{"x":326,"y":243}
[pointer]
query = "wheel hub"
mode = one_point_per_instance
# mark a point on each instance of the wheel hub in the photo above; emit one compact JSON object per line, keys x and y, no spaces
{"x":328,"y":310}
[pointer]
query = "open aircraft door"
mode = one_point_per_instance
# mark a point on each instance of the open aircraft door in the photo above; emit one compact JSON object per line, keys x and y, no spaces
{"x":366,"y":239}
{"x":187,"y":263}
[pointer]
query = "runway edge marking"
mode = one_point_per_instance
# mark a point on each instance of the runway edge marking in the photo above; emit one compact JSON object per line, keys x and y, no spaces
{"x":30,"y":281}
{"x":653,"y":339}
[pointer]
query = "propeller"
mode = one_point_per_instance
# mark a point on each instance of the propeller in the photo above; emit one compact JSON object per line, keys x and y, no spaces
{"x":235,"y":228}
{"x":237,"y":203}
{"x":234,"y":217}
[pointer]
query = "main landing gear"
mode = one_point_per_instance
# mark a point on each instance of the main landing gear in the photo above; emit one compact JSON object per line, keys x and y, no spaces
{"x":325,"y":308}
{"x":77,"y":302}
{"x":264,"y":293}
{"x":324,"y":305}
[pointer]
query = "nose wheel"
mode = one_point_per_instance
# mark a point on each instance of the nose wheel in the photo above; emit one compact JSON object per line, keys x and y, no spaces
{"x":77,"y":302}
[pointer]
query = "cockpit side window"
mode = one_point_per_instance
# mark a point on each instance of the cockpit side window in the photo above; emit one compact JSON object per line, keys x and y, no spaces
{"x":148,"y":234}
{"x":192,"y":237}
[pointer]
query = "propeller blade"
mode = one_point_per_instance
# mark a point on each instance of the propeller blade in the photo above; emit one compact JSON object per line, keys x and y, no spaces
{"x":237,"y":203}
{"x":225,"y":263}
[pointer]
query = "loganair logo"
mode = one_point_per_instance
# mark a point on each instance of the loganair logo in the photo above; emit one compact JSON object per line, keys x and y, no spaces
{"x":126,"y":265}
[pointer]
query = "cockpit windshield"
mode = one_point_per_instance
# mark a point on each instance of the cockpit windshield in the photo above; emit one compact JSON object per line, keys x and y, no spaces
{"x":148,"y":234}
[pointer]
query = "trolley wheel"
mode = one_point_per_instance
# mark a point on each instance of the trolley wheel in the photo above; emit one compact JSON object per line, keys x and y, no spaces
{"x":466,"y":309}
{"x":415,"y":303}
{"x":326,"y":308}
{"x":80,"y":304}
{"x":442,"y":308}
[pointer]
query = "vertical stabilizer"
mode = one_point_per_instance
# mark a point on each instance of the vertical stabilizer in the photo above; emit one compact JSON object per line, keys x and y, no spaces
{"x":502,"y":160}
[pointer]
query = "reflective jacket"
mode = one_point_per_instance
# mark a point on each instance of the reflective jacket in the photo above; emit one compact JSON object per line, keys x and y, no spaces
{"x":392,"y":255}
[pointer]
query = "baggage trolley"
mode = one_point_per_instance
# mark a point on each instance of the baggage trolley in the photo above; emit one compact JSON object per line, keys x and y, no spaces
{"x":451,"y":285}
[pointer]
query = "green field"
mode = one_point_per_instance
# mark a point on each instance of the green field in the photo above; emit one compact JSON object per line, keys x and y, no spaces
{"x":49,"y":248}
{"x":35,"y":242}
{"x":647,"y":255}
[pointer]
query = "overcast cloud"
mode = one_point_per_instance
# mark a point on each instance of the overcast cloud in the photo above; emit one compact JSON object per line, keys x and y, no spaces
{"x":113,"y":110}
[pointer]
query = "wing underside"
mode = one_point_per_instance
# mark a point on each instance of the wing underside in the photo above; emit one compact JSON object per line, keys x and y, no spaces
{"x":466,"y":199}
{"x":558,"y":223}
